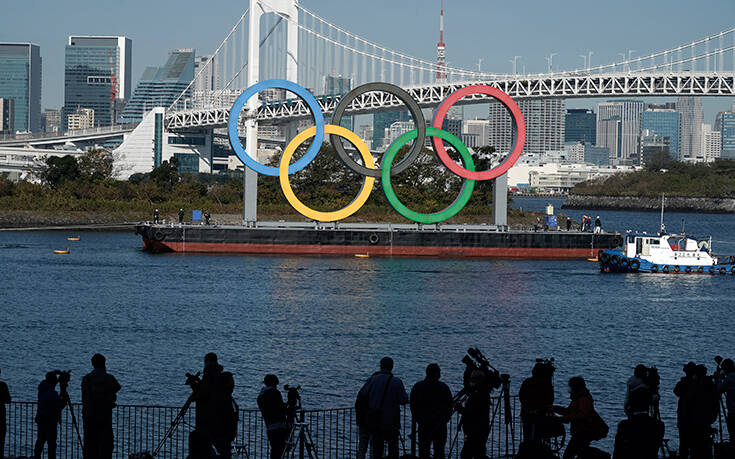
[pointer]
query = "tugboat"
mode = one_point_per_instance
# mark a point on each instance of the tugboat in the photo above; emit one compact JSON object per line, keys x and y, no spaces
{"x":664,"y":253}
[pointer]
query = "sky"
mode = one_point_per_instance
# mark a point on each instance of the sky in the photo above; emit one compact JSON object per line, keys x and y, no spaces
{"x":490,"y":30}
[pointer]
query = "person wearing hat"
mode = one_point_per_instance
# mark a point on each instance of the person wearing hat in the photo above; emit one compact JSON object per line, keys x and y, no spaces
{"x":155,"y":216}
{"x":598,"y":225}
{"x":273,"y":409}
{"x":4,"y":398}
{"x":726,"y":385}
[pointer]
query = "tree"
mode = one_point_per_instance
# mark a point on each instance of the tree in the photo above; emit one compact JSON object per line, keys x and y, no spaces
{"x":59,"y":169}
{"x":659,"y":160}
{"x":167,"y":174}
{"x":6,"y":186}
{"x":96,"y":165}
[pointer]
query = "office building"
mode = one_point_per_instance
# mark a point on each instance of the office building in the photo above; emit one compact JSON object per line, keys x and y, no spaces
{"x":711,"y":143}
{"x":160,"y":86}
{"x":664,"y":122}
{"x":383,"y":121}
{"x":97,"y":75}
{"x":7,"y":115}
{"x":544,"y":125}
{"x":652,"y":143}
{"x":207,"y":73}
{"x":575,"y":151}
{"x":397,"y":129}
{"x":618,"y":128}
{"x":691,"y":125}
{"x":480,"y":129}
{"x":453,"y":126}
{"x":580,"y":152}
{"x":580,"y":125}
{"x":337,"y":85}
{"x":727,"y":150}
{"x":81,"y":118}
{"x":20,"y":80}
{"x":51,"y":120}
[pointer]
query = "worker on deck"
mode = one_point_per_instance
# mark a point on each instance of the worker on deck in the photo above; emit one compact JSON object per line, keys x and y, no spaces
{"x":181,"y":215}
{"x":155,"y":216}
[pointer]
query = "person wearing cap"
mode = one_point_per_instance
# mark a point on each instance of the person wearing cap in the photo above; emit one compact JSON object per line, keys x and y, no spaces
{"x":476,"y":418}
{"x":273,"y":409}
{"x":639,"y":436}
{"x":726,"y":385}
{"x":155,"y":216}
{"x":181,"y":215}
{"x":598,"y":225}
{"x":99,"y":394}
{"x":431,"y":407}
{"x":50,"y":405}
{"x":383,"y":394}
{"x":4,"y":399}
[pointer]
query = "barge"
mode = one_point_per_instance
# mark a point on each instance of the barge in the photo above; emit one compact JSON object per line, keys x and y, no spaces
{"x":412,"y":240}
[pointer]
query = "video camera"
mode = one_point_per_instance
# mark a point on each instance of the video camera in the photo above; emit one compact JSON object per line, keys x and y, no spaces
{"x":293,"y":402}
{"x":474,"y":360}
{"x":193,"y":380}
{"x":63,"y":377}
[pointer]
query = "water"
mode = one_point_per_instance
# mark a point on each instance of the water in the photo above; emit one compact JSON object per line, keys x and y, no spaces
{"x":325,"y":322}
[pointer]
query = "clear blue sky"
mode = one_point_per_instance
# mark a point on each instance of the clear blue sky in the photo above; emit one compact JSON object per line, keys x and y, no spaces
{"x":492,"y":30}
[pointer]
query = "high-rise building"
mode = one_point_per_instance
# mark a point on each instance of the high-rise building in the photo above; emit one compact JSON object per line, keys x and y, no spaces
{"x":365,"y":132}
{"x":480,"y":128}
{"x":544,"y":125}
{"x":337,"y":85}
{"x":691,"y":125}
{"x":664,"y":122}
{"x":20,"y":80}
{"x":208,"y":73}
{"x":7,"y":115}
{"x":580,"y":125}
{"x":51,"y":120}
{"x":652,"y":143}
{"x":160,"y":86}
{"x":618,"y":128}
{"x":580,"y":152}
{"x":81,"y":118}
{"x":382,"y":121}
{"x":711,"y":143}
{"x":728,"y":135}
{"x":453,"y":126}
{"x":97,"y":75}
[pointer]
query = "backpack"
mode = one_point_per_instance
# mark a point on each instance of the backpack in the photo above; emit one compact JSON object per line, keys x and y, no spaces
{"x":598,"y":427}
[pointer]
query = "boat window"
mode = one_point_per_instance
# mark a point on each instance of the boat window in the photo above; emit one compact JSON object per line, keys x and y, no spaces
{"x":653,"y":241}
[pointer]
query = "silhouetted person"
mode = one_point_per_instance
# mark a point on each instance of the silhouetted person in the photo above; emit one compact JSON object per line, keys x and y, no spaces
{"x":362,"y":406}
{"x":217,"y":413}
{"x":684,"y":389}
{"x":639,"y":436}
{"x":431,"y":405}
{"x":155,"y":216}
{"x":385,"y":394}
{"x":537,"y":401}
{"x":726,"y":385}
{"x":638,"y":380}
{"x":199,"y":446}
{"x":537,"y":224}
{"x":598,"y":225}
{"x":4,"y":399}
{"x":207,"y":217}
{"x":569,"y":224}
{"x":99,"y":394}
{"x":270,"y":403}
{"x":181,"y":215}
{"x":50,"y":405}
{"x":475,"y":418}
{"x":581,"y":415}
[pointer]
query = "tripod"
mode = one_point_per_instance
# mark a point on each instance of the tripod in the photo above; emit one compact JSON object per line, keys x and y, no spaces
{"x":655,"y":413}
{"x":67,"y":400}
{"x":301,"y":437}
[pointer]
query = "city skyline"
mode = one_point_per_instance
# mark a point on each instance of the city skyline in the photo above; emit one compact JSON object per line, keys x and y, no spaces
{"x":161,"y":31}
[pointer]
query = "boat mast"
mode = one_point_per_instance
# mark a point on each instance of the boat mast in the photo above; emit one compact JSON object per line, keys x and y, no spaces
{"x":663,"y":227}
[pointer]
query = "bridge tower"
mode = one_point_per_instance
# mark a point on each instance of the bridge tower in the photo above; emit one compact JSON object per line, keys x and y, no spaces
{"x":257,"y":9}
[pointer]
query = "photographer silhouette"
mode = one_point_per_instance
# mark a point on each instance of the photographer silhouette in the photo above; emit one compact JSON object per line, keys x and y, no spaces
{"x":99,"y":394}
{"x":4,"y":398}
{"x":50,"y":405}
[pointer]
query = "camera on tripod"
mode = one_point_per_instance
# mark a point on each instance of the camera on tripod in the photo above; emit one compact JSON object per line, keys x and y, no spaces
{"x":193,"y":380}
{"x":63,"y":377}
{"x":474,"y":360}
{"x":293,"y":402}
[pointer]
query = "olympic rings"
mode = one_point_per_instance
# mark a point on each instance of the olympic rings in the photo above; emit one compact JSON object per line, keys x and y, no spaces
{"x":362,"y":196}
{"x":413,"y":108}
{"x":369,"y":170}
{"x":310,"y":101}
{"x":464,"y":195}
{"x":519,"y":132}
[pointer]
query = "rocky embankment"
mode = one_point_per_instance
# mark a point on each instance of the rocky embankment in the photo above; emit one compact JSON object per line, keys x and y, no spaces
{"x":673,"y":203}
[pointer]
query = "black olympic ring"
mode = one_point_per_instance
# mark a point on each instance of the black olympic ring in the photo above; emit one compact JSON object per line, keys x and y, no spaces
{"x":413,"y":108}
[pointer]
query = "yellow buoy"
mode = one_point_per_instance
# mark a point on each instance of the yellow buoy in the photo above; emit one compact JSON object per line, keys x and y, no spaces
{"x":58,"y":252}
{"x":362,"y":255}
{"x":592,"y":259}
{"x":73,"y":238}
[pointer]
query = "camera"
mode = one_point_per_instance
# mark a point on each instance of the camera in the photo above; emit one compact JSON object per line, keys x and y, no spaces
{"x":193,"y":380}
{"x":293,"y":402}
{"x":475,"y":360}
{"x":63,"y":377}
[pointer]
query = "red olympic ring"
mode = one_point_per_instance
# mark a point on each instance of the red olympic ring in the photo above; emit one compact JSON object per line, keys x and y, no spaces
{"x":518,"y":123}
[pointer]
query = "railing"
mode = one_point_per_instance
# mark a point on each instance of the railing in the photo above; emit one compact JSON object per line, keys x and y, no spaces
{"x":30,"y":137}
{"x":334,"y":432}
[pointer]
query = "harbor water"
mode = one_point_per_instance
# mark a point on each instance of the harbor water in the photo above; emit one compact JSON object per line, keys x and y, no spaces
{"x":324,"y":322}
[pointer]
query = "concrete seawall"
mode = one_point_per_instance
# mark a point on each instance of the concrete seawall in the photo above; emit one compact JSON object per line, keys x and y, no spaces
{"x":673,"y":203}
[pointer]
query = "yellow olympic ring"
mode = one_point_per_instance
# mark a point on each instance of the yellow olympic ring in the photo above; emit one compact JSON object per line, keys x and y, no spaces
{"x":354,"y":206}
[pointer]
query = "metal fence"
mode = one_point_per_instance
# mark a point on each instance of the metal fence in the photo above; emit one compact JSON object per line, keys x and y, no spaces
{"x":334,"y":432}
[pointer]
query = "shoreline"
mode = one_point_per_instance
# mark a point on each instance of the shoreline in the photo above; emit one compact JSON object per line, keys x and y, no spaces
{"x":689,"y":204}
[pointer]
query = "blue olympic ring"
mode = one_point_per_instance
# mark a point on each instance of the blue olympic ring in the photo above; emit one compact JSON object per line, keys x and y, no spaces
{"x":310,"y":101}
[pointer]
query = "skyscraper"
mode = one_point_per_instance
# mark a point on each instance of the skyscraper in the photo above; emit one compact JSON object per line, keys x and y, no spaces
{"x":7,"y":116}
{"x":338,"y":85}
{"x":664,"y":122}
{"x":160,"y":86}
{"x":580,"y":126}
{"x":480,"y":128}
{"x":544,"y":125}
{"x":20,"y":80}
{"x":383,"y":121}
{"x":728,"y":136}
{"x":691,"y":125}
{"x":618,"y":128}
{"x":97,"y":76}
{"x":208,"y":72}
{"x":711,"y":143}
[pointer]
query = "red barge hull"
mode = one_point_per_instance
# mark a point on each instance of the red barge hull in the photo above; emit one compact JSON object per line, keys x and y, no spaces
{"x":385,"y":240}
